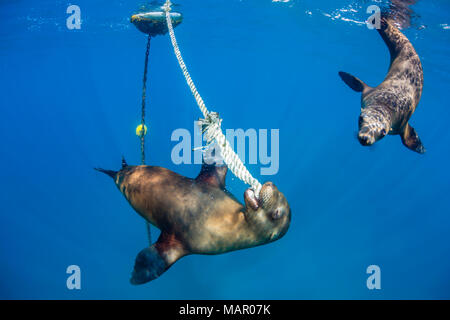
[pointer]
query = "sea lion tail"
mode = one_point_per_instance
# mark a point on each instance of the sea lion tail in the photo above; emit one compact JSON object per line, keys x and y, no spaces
{"x":394,"y":39}
{"x":148,"y":266}
{"x":110,"y":173}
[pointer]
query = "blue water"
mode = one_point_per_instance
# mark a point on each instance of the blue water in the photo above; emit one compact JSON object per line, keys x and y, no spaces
{"x":70,"y":101}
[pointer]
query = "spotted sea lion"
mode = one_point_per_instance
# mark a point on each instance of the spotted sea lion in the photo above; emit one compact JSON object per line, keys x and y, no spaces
{"x":197,"y":216}
{"x":387,"y":108}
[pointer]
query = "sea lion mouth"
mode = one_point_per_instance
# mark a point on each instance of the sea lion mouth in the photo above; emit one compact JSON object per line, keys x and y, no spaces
{"x":267,"y":196}
{"x":366,"y":139}
{"x":251,"y":200}
{"x":368,"y":136}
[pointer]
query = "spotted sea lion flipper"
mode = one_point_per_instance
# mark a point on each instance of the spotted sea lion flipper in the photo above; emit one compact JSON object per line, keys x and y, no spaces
{"x":155,"y":260}
{"x":353,"y":82}
{"x":411,"y":139}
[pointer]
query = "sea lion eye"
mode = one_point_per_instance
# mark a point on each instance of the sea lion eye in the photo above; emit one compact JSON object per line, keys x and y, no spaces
{"x":277,"y":214}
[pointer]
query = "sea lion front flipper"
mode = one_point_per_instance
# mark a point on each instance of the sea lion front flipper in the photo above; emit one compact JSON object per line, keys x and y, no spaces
{"x":155,"y":260}
{"x":213,"y":175}
{"x":411,"y":139}
{"x":353,"y":82}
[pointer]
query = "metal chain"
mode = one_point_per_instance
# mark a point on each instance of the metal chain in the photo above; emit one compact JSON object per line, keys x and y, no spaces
{"x":143,"y":131}
{"x":144,"y":96}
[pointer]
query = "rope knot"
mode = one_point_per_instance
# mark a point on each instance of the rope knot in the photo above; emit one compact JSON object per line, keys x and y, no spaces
{"x":211,"y":126}
{"x":167,"y":6}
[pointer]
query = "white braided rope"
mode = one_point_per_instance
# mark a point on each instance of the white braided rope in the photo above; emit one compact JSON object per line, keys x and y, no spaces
{"x":212,"y":122}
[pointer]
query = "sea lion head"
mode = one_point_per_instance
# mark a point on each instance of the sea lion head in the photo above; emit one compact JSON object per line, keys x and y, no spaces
{"x":270,"y":214}
{"x":373,"y":126}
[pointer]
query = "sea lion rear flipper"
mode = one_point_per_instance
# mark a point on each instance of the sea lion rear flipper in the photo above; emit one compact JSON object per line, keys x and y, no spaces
{"x":154,"y":261}
{"x":148,"y":266}
{"x":411,"y":139}
{"x":213,"y":175}
{"x":353,"y":82}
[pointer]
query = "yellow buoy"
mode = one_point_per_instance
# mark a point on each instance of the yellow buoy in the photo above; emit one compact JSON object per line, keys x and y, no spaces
{"x":139,"y":130}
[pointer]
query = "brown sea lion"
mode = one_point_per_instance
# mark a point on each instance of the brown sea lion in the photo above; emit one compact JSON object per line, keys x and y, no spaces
{"x":387,"y":108}
{"x":197,"y":216}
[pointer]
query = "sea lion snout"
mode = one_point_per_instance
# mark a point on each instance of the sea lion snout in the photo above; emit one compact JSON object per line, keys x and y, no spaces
{"x":366,"y":137}
{"x":273,"y":201}
{"x":372,"y":128}
{"x":268,"y":194}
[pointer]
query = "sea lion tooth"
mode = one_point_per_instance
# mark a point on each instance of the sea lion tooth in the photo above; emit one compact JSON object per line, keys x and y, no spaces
{"x":387,"y":108}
